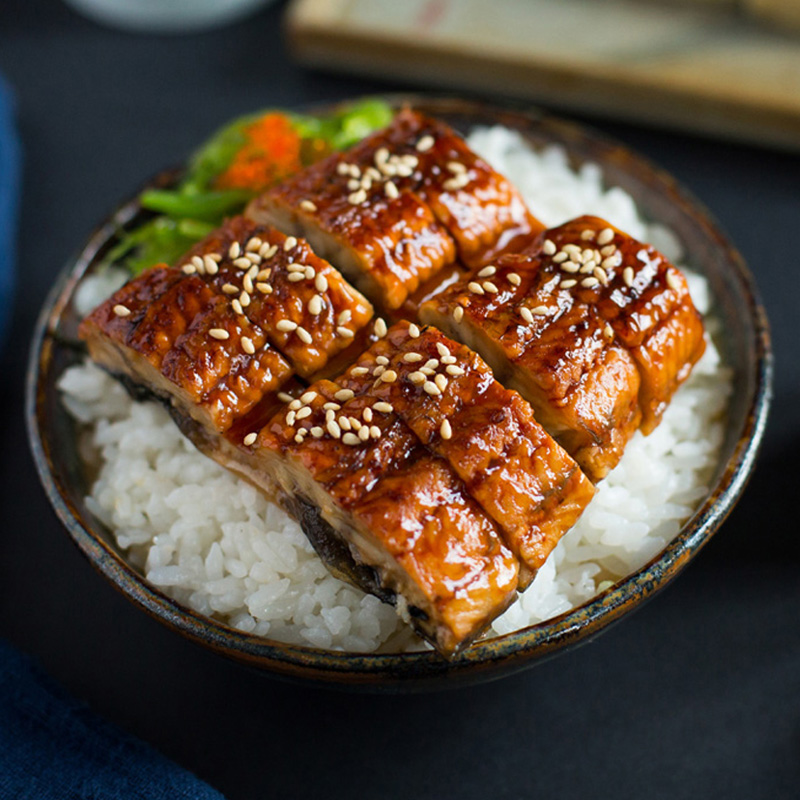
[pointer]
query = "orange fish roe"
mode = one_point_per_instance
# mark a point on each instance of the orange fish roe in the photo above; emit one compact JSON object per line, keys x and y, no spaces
{"x":271,"y":152}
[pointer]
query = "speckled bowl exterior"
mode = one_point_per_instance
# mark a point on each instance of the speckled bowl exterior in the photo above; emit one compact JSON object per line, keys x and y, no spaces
{"x":745,"y":345}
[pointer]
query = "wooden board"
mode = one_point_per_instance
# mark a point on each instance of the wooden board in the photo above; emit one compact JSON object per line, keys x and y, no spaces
{"x":703,"y":66}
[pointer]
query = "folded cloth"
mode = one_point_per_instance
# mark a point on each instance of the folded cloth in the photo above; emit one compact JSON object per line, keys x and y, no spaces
{"x":53,"y":746}
{"x":9,"y":201}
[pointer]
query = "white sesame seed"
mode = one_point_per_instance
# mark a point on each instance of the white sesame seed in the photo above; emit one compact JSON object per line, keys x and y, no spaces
{"x":413,"y":331}
{"x":487,"y":272}
{"x":344,"y":395}
{"x":344,"y":423}
{"x":560,"y":257}
{"x":342,"y":168}
{"x":295,"y":404}
{"x":432,"y":363}
{"x":570,"y":266}
{"x":356,"y":198}
{"x":390,"y":190}
{"x":267,"y":250}
{"x":427,"y":371}
{"x":590,"y":282}
{"x":309,"y":273}
{"x":380,"y":327}
{"x":359,"y":371}
{"x":317,"y":432}
{"x":540,"y":311}
{"x":390,"y":376}
{"x":627,"y":276}
{"x":608,"y":331}
{"x":355,"y":423}
{"x":445,"y":429}
{"x":412,"y":358}
{"x":442,"y":349}
{"x":351,"y":439}
{"x":331,"y":406}
{"x":417,"y":378}
{"x":363,"y":433}
{"x":382,"y":360}
{"x":429,"y":387}
{"x":608,"y":250}
{"x":198,"y":264}
{"x":290,"y":417}
{"x":219,"y":333}
{"x":525,"y":313}
{"x":299,"y":436}
{"x":321,"y":283}
{"x":449,"y":359}
{"x":248,"y":346}
{"x":458,"y":313}
{"x":570,"y":248}
{"x":383,"y":407}
{"x":308,"y":205}
{"x":254,"y":259}
{"x":609,"y":263}
{"x":367,"y":414}
{"x":354,"y":170}
{"x":490,"y":287}
{"x":234,"y":250}
{"x":587,"y":234}
{"x":672,"y":281}
{"x":211,"y":266}
{"x":456,"y":167}
{"x":250,"y":439}
{"x":379,"y":370}
{"x":188,"y":269}
{"x":587,"y":255}
{"x":307,"y":397}
{"x":588,"y":266}
{"x":475,"y":287}
{"x":452,"y":369}
{"x":605,"y":236}
{"x":514,"y":279}
{"x":244,"y":299}
{"x":568,"y":284}
{"x":122,"y":311}
{"x":303,"y":335}
{"x":375,"y":432}
{"x":229,"y":288}
{"x":425,"y":143}
{"x":600,"y":274}
{"x":264,"y":288}
{"x":549,"y":247}
{"x":333,"y":429}
{"x":315,"y":305}
{"x":295,"y":277}
{"x":247,"y":283}
{"x":345,"y":316}
{"x":441,"y":382}
{"x":346,"y":333}
{"x":285,"y":325}
{"x":304,"y":412}
{"x":290,"y":242}
{"x":242,"y":263}
{"x":284,"y":398}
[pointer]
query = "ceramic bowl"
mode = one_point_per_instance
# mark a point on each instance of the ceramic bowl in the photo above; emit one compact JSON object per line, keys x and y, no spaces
{"x":745,"y":345}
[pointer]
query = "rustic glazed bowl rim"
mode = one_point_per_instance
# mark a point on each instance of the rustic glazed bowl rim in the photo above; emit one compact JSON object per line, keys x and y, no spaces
{"x":485,"y":659}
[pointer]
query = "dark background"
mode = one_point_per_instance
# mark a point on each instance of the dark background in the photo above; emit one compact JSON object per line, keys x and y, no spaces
{"x":696,"y":695}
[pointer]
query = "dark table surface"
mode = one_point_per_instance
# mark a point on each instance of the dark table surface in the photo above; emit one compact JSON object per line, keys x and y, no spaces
{"x":696,"y":695}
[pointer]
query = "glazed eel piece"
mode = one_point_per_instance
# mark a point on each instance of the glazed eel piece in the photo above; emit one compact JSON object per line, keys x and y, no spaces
{"x":416,"y":475}
{"x":399,"y":207}
{"x":594,"y":328}
{"x":241,"y":314}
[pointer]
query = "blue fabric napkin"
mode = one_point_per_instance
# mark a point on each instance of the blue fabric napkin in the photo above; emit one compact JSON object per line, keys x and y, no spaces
{"x":9,"y":201}
{"x":53,"y":747}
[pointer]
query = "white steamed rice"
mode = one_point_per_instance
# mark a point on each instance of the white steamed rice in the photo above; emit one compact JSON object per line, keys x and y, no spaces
{"x":216,"y":544}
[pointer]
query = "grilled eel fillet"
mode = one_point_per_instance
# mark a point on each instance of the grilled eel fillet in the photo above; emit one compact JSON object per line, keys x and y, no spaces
{"x":399,"y":207}
{"x":595,"y":329}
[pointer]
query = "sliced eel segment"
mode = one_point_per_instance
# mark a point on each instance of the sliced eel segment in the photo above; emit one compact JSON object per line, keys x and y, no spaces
{"x":642,"y":296}
{"x":554,"y":350}
{"x":400,"y":510}
{"x":306,"y":308}
{"x":183,"y":342}
{"x":390,"y":215}
{"x":448,"y":397}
